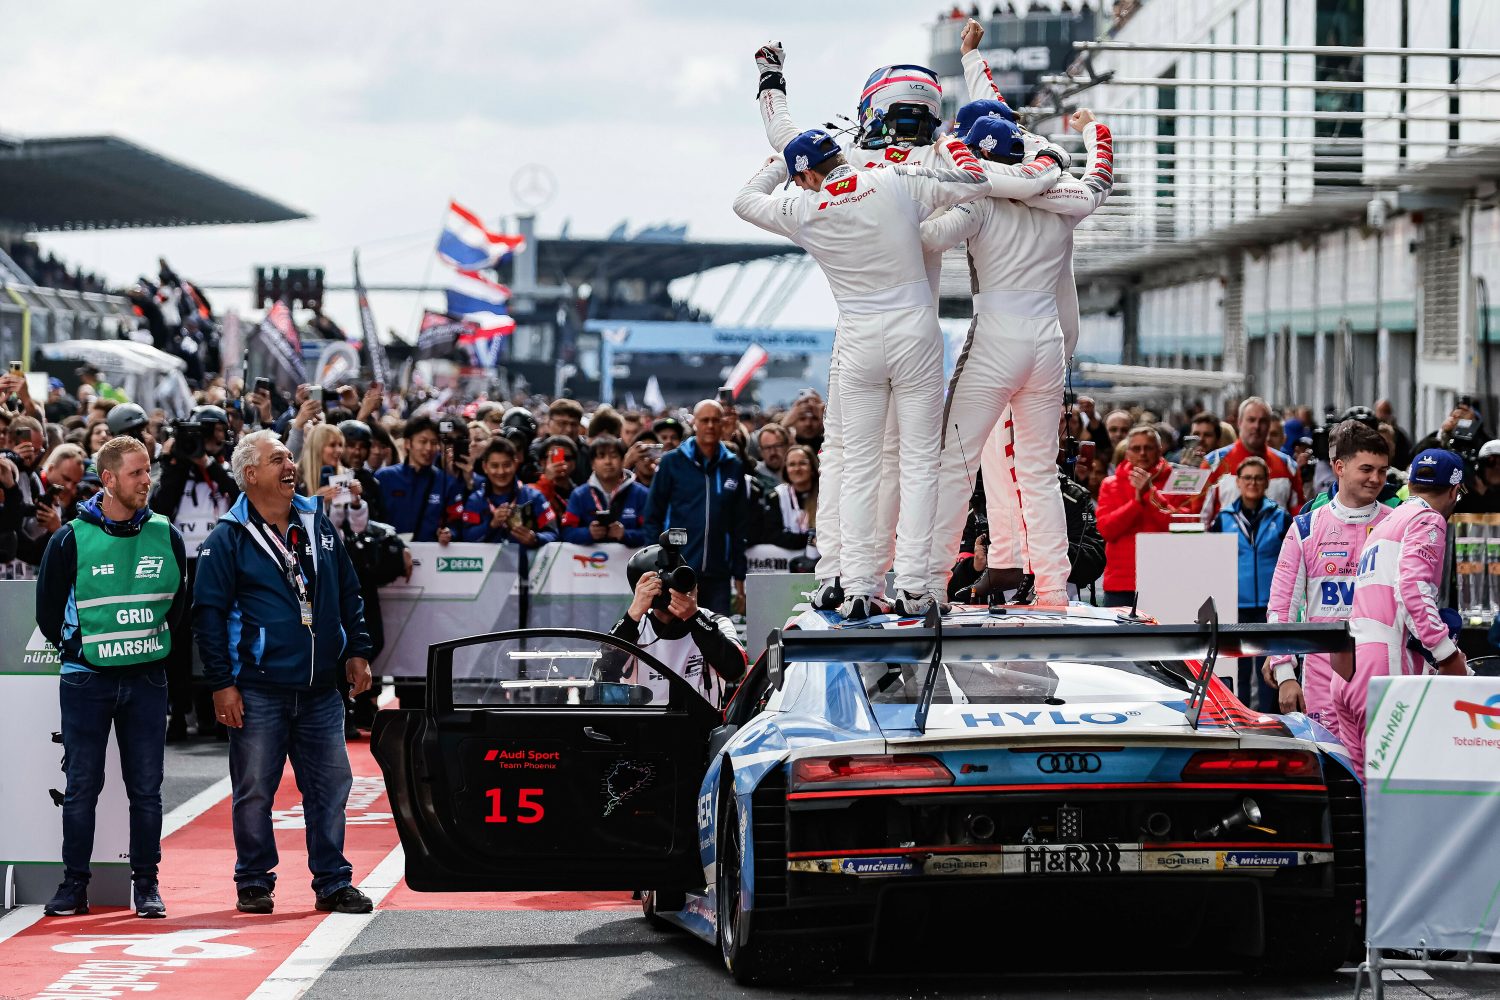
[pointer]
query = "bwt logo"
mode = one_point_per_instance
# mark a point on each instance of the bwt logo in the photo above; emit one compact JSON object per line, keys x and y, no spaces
{"x":1490,"y":710}
{"x":594,"y":560}
{"x":1335,"y":592}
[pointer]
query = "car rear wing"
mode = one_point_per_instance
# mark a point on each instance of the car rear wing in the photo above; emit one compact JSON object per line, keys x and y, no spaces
{"x":1205,"y":640}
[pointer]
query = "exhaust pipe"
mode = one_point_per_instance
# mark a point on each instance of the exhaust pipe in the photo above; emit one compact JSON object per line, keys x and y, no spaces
{"x":1158,"y":825}
{"x":980,"y":826}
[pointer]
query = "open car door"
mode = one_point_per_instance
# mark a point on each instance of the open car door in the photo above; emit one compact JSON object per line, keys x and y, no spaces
{"x":547,"y":759}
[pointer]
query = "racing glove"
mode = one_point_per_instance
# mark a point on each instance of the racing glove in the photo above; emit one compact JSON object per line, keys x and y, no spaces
{"x":769,"y":60}
{"x":1038,"y":146}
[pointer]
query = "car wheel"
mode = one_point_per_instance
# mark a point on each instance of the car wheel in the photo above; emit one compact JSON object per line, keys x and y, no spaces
{"x":741,"y":958}
{"x":655,"y":902}
{"x":1307,"y":937}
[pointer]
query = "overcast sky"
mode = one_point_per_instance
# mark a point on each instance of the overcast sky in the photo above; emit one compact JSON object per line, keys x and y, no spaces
{"x":369,"y":116}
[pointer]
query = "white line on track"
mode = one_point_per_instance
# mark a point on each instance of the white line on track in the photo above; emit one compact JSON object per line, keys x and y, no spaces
{"x":19,"y":919}
{"x":331,"y":938}
{"x":195,"y":807}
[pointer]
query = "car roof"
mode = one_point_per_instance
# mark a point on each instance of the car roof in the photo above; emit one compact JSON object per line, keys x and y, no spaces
{"x":804,"y":617}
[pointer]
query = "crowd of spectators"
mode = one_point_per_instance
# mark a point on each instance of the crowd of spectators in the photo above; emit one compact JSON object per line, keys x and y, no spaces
{"x":48,"y":271}
{"x":1008,"y":8}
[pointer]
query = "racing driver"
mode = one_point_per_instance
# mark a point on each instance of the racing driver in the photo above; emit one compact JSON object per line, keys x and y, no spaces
{"x":1314,"y":579}
{"x":862,"y":229}
{"x":1395,"y":593}
{"x":1014,"y":353}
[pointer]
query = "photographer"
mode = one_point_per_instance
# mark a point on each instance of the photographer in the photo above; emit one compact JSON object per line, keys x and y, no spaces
{"x":421,"y":498}
{"x":665,"y":620}
{"x":1463,"y":431}
{"x":32,"y":513}
{"x":194,"y":489}
{"x":611,"y":505}
{"x":504,"y":509}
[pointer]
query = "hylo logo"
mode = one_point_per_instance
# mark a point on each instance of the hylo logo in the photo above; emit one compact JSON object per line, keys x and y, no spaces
{"x":108,"y":569}
{"x":1490,"y":710}
{"x":460,"y":564}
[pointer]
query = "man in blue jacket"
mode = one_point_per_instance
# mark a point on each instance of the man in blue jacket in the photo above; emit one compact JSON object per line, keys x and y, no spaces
{"x":277,"y":614}
{"x":421,"y":498}
{"x":611,"y":506}
{"x":701,"y":486}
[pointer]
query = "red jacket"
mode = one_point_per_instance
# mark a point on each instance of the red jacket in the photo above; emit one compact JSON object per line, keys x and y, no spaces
{"x":1121,"y":516}
{"x":1223,"y":489}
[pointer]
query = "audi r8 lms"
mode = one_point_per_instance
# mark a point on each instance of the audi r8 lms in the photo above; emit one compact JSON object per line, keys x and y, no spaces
{"x":997,"y":788}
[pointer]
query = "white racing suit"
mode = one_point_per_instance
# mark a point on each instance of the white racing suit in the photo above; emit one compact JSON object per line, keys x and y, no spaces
{"x":780,"y":130}
{"x":862,"y":229}
{"x":1014,"y":356}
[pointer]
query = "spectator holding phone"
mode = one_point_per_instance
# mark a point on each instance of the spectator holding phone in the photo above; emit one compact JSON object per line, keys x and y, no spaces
{"x":611,"y":506}
{"x":504,"y":509}
{"x":559,"y":465}
{"x":31,"y":514}
{"x":322,"y":473}
{"x":423,"y":500}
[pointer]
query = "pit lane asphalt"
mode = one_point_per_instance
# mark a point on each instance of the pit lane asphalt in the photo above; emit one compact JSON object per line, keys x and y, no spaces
{"x":603,"y":955}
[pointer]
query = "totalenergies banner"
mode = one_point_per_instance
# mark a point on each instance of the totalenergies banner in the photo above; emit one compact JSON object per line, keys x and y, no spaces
{"x":578,"y":586}
{"x":1432,"y":793}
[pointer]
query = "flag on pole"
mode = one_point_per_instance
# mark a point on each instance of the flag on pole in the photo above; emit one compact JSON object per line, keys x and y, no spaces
{"x":653,"y":398}
{"x":440,"y":333}
{"x":481,"y":301}
{"x":278,"y":335}
{"x":467,"y":244}
{"x":380,"y":368}
{"x":752,"y":361}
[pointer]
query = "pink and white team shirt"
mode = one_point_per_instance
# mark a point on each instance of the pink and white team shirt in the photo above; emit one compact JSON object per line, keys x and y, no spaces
{"x":1395,"y":596}
{"x":1314,"y":582}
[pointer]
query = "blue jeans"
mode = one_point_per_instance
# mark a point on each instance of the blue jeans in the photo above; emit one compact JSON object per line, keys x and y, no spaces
{"x":308,"y":727}
{"x":135,"y":704}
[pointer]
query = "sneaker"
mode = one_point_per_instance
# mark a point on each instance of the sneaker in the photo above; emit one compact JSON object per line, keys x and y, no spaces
{"x":255,"y":899}
{"x":828,"y":596}
{"x":71,"y":899}
{"x":146,"y":895}
{"x":345,"y":900}
{"x":909,"y":605}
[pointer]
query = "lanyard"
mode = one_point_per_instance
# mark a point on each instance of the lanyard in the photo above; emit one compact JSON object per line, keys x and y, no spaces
{"x":291,"y":570}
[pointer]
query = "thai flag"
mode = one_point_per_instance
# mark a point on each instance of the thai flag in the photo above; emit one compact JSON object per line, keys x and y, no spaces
{"x":752,"y":361}
{"x":467,"y":245}
{"x":480,"y":301}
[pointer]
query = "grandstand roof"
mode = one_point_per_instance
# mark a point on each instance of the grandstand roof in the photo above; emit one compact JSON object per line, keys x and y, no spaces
{"x":104,"y":182}
{"x":575,"y":261}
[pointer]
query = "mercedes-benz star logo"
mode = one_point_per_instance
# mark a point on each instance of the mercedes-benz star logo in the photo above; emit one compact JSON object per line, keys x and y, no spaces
{"x":533,"y":186}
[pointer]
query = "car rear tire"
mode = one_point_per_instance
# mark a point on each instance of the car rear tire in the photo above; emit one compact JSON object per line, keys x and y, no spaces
{"x":745,"y":962}
{"x":1307,"y":937}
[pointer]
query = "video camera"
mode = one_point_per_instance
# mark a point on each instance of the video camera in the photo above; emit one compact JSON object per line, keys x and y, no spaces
{"x":189,"y":437}
{"x":673,"y":570}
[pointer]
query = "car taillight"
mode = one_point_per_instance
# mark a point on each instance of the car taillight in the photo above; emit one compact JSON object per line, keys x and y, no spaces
{"x":875,"y":771}
{"x":1252,"y":765}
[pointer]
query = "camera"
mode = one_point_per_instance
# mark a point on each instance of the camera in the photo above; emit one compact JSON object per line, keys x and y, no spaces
{"x":604,"y":517}
{"x":445,"y":428}
{"x":189,"y":437}
{"x":674,"y":571}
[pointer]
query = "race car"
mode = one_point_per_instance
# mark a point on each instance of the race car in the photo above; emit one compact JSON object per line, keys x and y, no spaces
{"x":1000,"y":788}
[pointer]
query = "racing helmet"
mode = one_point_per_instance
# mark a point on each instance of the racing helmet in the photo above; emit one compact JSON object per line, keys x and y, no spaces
{"x":208,"y":413}
{"x":126,"y":420}
{"x":975,"y":110}
{"x":521,"y":419}
{"x":901,"y":103}
{"x":1490,"y":449}
{"x":995,"y":138}
{"x":1364,"y":415}
{"x":355,"y":431}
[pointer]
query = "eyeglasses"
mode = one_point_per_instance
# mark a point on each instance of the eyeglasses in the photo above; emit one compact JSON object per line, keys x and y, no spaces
{"x":1253,"y":479}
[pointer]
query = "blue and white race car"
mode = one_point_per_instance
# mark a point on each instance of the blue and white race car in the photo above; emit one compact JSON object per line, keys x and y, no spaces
{"x":1004,"y":786}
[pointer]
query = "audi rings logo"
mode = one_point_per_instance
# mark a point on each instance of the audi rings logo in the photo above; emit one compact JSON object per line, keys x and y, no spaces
{"x":1069,"y":763}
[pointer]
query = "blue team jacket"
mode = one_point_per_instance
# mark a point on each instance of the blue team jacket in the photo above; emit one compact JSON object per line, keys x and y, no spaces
{"x":415,"y":500}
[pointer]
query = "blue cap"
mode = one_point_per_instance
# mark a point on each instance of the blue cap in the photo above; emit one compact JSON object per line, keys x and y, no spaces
{"x":54,"y":383}
{"x":975,"y":110}
{"x":1436,"y":467}
{"x":995,"y":136}
{"x":808,"y":150}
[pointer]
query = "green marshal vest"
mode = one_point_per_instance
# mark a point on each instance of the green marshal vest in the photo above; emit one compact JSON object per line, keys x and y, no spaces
{"x":124,"y":589}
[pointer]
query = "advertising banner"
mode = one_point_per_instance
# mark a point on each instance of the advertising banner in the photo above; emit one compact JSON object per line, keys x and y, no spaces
{"x":578,"y":586}
{"x":466,"y":588}
{"x":1432,"y":793}
{"x":32,"y":781}
{"x":770,"y":558}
